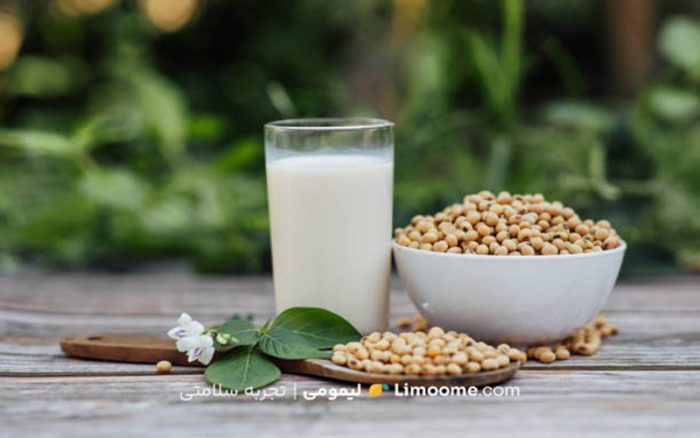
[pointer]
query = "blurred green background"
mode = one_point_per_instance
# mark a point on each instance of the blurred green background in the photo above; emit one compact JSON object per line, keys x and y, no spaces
{"x":131,"y":131}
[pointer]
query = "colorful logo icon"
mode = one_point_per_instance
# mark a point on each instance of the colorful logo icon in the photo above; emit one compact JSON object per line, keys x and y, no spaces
{"x":377,"y":389}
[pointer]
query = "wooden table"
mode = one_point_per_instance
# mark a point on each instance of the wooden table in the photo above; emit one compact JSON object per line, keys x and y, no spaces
{"x":645,"y":381}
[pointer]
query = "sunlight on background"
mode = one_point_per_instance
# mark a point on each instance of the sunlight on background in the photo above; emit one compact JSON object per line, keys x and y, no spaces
{"x":10,"y":39}
{"x":407,"y":16}
{"x":170,"y":15}
{"x":78,"y":7}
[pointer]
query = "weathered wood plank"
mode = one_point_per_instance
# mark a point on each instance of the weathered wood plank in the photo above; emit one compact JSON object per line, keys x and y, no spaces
{"x":646,"y":341}
{"x":660,"y":321}
{"x":609,"y":419}
{"x":53,"y":306}
{"x":534,"y":385}
{"x":171,"y":293}
{"x":604,"y":403}
{"x":665,"y":294}
{"x":56,"y":305}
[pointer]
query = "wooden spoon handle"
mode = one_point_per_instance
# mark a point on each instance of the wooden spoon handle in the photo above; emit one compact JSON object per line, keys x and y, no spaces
{"x":148,"y":349}
{"x":125,"y":348}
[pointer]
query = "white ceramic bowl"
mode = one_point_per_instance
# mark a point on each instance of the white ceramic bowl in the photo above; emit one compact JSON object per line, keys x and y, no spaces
{"x":524,"y":300}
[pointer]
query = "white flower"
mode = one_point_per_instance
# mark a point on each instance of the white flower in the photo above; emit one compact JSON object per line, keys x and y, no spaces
{"x":189,"y":337}
{"x":199,"y":348}
{"x":186,"y":327}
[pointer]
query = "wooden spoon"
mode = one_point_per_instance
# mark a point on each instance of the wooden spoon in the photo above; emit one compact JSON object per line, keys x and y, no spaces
{"x":147,"y":349}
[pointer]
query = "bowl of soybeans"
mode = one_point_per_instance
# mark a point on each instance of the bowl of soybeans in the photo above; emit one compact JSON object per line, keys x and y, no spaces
{"x":508,"y":268}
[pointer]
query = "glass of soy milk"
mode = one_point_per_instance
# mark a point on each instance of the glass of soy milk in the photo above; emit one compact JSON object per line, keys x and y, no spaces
{"x":329,"y":188}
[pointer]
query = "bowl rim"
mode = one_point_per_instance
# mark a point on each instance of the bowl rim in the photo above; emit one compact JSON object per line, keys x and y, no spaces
{"x":610,"y":252}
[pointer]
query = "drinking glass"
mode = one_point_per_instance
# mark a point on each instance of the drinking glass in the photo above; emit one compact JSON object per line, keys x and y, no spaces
{"x":329,"y":186}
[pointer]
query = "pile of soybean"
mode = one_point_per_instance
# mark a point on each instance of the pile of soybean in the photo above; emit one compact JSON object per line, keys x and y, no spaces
{"x":430,"y":353}
{"x":506,"y":224}
{"x":585,"y":341}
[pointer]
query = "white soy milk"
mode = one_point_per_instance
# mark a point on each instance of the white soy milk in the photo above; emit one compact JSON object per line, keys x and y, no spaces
{"x":330,"y":219}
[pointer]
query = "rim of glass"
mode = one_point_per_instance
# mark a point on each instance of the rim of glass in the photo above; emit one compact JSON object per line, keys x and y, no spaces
{"x":329,"y":124}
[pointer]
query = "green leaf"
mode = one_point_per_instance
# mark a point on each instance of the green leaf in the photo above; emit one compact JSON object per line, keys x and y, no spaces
{"x":164,"y":110}
{"x":679,"y":42}
{"x":287,"y":345}
{"x":243,"y":330}
{"x":320,"y":327}
{"x":487,"y":69}
{"x":579,"y":115}
{"x":244,"y":155}
{"x":280,"y":100}
{"x":116,"y":188}
{"x":241,"y":368}
{"x":300,"y":333}
{"x":497,"y":168}
{"x":674,"y":104}
{"x":39,"y":143}
{"x":170,"y":215}
{"x":46,"y":77}
{"x":511,"y":50}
